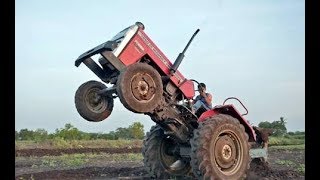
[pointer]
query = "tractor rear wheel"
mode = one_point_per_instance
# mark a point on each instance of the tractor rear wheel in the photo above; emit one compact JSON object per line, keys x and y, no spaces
{"x":139,"y":88}
{"x":158,"y":157}
{"x":90,"y":105}
{"x":220,"y":149}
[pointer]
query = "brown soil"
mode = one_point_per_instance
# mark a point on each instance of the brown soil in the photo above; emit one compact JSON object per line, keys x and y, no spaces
{"x":121,"y":171}
{"x":135,"y":170}
{"x":57,"y":152}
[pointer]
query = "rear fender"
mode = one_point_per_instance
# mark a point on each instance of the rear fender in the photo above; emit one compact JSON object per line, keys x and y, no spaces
{"x":230,"y":110}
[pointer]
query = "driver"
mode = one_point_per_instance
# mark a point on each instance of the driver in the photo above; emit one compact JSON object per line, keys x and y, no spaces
{"x":203,"y":100}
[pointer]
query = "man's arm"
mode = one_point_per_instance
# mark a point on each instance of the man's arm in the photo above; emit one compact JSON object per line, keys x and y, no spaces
{"x":207,"y":97}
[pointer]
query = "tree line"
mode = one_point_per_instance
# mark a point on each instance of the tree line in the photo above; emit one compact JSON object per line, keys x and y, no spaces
{"x":279,"y":128}
{"x":134,"y":131}
{"x":69,"y":132}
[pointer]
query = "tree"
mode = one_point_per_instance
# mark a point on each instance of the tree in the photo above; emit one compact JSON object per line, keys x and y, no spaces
{"x":290,"y":133}
{"x":136,"y":130}
{"x":84,"y":136}
{"x":123,"y":133}
{"x":109,"y":136}
{"x":93,"y":135}
{"x":26,"y":134}
{"x":16,"y":135}
{"x":299,"y":133}
{"x":279,"y":127}
{"x":69,"y":132}
{"x":265,"y":124}
{"x":40,"y":134}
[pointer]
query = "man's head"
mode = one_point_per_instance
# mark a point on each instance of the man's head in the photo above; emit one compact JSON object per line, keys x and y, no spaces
{"x":201,"y":86}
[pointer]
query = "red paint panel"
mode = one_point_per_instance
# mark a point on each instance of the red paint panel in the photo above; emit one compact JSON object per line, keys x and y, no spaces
{"x":188,"y":88}
{"x":207,"y":114}
{"x":140,"y":45}
{"x":131,"y":53}
{"x":230,"y":110}
{"x":247,"y":126}
{"x":158,"y":57}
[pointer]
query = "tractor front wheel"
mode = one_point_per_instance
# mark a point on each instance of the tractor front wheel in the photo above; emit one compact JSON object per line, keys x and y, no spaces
{"x":90,"y":105}
{"x":220,"y":149}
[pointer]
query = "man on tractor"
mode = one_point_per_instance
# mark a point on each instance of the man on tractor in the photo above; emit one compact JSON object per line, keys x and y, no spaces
{"x":203,"y":100}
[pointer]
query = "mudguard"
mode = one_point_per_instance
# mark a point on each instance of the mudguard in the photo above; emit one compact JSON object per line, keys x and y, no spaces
{"x":232,"y":111}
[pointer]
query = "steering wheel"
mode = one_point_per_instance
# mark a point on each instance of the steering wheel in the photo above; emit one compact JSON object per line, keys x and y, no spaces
{"x":196,"y":83}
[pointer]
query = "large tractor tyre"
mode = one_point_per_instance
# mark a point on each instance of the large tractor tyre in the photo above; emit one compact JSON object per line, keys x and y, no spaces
{"x":90,"y":105}
{"x":139,"y":88}
{"x":157,"y":157}
{"x":220,"y":149}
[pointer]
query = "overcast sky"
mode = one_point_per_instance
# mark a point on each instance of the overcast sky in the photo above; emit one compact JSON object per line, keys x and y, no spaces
{"x":253,"y":50}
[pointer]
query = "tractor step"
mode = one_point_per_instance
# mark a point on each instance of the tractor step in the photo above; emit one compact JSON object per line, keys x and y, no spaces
{"x":259,"y":153}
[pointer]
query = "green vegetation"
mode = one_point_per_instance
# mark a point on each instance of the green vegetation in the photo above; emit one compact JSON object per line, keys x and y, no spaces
{"x":279,"y":141}
{"x":285,"y":162}
{"x":298,"y":167}
{"x":37,"y":135}
{"x":76,"y":160}
{"x":280,"y":136}
{"x":301,"y":168}
{"x":275,"y":143}
{"x":289,"y":147}
{"x":71,"y":137}
{"x":125,"y":157}
{"x":279,"y":127}
{"x":69,"y":160}
{"x":58,"y":143}
{"x":69,"y":132}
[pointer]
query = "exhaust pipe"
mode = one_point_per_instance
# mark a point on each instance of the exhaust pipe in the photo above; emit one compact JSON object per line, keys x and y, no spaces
{"x":179,"y":59}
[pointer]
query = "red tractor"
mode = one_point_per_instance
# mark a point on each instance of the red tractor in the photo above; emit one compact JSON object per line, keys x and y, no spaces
{"x":215,"y":143}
